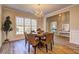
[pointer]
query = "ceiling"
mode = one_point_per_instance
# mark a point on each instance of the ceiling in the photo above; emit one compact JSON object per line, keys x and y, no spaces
{"x":46,"y":8}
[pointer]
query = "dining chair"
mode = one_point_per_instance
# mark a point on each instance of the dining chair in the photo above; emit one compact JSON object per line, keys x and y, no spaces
{"x":32,"y":41}
{"x":49,"y":41}
{"x":26,"y":37}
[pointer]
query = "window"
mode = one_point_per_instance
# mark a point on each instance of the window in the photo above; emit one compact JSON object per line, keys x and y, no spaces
{"x":25,"y":24}
{"x":53,"y":26}
{"x":19,"y":25}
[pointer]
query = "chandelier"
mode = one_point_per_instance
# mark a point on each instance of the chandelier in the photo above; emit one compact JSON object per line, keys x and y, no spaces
{"x":38,"y":11}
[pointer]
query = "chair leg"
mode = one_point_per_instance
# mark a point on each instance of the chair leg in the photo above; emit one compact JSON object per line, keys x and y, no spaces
{"x":28,"y":47}
{"x":46,"y":48}
{"x":51,"y":46}
{"x":34,"y":49}
{"x":25,"y":42}
{"x":53,"y":43}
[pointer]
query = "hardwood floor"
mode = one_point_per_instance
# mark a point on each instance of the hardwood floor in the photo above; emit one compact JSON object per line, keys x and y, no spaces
{"x":18,"y":47}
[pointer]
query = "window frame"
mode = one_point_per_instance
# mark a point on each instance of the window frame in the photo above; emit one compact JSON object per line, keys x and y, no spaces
{"x":26,"y":24}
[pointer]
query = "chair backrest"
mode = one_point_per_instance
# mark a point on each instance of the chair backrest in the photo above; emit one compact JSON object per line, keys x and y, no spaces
{"x":26,"y":35}
{"x":31,"y":39}
{"x":49,"y":37}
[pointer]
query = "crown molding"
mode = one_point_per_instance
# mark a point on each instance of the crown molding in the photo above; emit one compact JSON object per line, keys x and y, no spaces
{"x":60,"y":11}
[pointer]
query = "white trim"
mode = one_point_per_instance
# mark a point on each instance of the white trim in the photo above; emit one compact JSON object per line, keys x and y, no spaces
{"x":60,"y":11}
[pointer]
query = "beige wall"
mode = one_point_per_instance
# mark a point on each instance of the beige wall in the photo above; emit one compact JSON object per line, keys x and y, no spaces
{"x":40,"y":22}
{"x":13,"y":13}
{"x":74,"y":25}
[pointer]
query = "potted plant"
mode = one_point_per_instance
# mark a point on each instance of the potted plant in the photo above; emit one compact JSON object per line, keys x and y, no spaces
{"x":7,"y":27}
